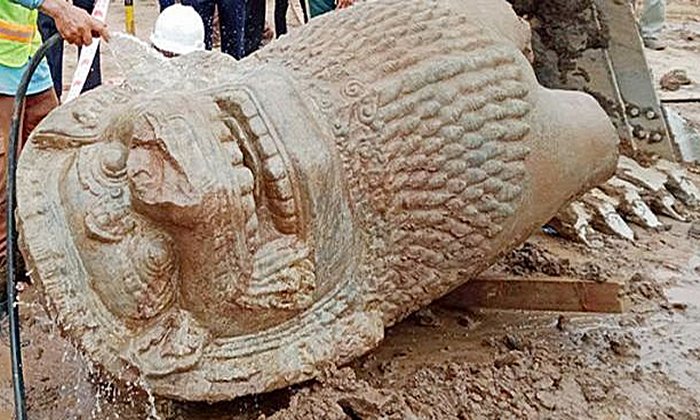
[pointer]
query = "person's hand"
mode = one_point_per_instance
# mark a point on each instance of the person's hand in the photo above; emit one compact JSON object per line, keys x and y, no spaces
{"x":268,"y":33}
{"x":74,"y":24}
{"x":342,"y":4}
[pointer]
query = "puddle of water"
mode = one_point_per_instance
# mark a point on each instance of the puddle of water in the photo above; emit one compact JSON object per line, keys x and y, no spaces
{"x":687,"y":294}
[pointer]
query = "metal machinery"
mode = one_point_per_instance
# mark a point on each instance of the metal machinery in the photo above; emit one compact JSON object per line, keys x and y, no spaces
{"x":594,"y":46}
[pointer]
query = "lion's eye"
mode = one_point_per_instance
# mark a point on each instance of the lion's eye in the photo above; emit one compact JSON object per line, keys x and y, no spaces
{"x":113,"y":159}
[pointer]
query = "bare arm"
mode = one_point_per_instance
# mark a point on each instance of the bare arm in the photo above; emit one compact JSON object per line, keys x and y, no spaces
{"x":342,"y":4}
{"x":74,"y":24}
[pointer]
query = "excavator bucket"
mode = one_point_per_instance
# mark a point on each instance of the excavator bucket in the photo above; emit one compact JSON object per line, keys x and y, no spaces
{"x":594,"y":46}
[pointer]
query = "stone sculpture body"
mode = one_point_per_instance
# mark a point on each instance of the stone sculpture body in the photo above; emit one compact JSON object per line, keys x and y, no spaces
{"x":210,"y":233}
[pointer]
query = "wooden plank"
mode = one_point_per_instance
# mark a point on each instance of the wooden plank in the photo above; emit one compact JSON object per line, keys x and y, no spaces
{"x":561,"y":294}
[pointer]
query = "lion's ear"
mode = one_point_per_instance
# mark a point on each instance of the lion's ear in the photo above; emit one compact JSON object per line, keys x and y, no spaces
{"x":83,"y":121}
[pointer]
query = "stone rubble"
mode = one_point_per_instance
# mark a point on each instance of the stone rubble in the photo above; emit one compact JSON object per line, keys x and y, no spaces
{"x":636,"y":195}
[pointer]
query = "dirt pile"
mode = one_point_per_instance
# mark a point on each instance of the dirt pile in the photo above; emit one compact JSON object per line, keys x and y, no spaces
{"x":578,"y":375}
{"x":531,"y":258}
{"x":562,"y":32}
{"x":641,"y":289}
{"x":674,"y":79}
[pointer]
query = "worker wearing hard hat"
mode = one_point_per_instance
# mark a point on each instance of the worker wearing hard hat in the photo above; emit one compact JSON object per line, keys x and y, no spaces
{"x":19,"y":41}
{"x":281,"y":7}
{"x":232,"y":23}
{"x":178,"y":30}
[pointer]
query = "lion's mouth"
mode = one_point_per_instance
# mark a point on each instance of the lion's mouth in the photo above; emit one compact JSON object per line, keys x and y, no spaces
{"x":283,"y":276}
{"x":263,"y":170}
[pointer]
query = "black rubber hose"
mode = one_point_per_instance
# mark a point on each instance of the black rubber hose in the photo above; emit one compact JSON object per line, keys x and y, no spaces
{"x":13,"y":309}
{"x":680,"y":100}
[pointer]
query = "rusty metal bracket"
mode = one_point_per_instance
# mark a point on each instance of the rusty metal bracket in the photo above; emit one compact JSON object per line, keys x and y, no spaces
{"x":633,"y":79}
{"x":594,"y":46}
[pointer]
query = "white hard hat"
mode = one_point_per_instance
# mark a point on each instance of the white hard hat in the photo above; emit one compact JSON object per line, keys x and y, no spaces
{"x":179,"y":30}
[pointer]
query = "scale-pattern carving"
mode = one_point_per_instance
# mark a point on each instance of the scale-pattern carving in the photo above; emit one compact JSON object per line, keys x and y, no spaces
{"x":431,"y":137}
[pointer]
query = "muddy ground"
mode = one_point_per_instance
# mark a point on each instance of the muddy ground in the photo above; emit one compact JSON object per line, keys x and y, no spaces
{"x":444,"y":363}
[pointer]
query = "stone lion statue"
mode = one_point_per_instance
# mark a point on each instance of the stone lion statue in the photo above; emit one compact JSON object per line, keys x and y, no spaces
{"x":211,"y":228}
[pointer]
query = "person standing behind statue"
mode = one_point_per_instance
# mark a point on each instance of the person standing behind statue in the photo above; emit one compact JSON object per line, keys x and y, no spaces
{"x":281,"y":7}
{"x":19,"y":41}
{"x":319,"y":7}
{"x":258,"y":32}
{"x":651,"y":22}
{"x":232,"y":23}
{"x":255,"y":25}
{"x":216,"y":34}
{"x":164,"y":4}
{"x":47,"y":28}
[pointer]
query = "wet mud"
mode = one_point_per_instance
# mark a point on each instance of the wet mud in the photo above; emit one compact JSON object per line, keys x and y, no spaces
{"x":455,"y":364}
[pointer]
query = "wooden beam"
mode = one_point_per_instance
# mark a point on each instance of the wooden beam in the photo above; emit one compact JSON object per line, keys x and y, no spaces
{"x":541,"y":293}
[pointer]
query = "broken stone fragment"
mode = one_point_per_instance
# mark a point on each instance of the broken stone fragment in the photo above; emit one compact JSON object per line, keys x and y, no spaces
{"x":574,"y":222}
{"x":637,"y":195}
{"x":685,"y":136}
{"x":679,"y":183}
{"x":631,"y":205}
{"x":652,"y":183}
{"x":605,"y":216}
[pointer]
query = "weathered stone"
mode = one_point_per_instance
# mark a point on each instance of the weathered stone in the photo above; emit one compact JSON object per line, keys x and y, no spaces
{"x":606,"y":218}
{"x":573,"y":222}
{"x":665,"y":188}
{"x":653,"y":184}
{"x":212,"y":228}
{"x":679,"y":183}
{"x":631,"y":204}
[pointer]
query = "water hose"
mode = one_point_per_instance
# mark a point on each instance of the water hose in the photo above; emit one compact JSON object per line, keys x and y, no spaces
{"x":13,"y":308}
